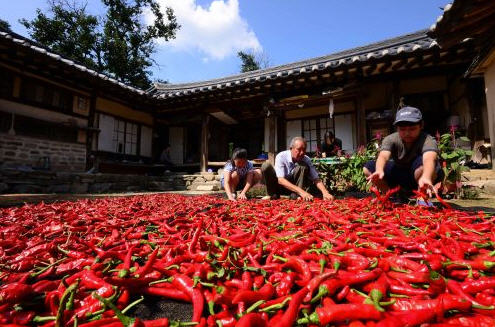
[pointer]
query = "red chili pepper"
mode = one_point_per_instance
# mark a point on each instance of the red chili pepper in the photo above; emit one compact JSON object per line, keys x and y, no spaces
{"x":149,"y":264}
{"x":247,"y":281}
{"x":249,"y":297}
{"x":315,"y":282}
{"x":225,"y":319}
{"x":289,"y":317}
{"x":186,"y":285}
{"x":168,"y":293}
{"x":475,"y":286}
{"x":15,"y":292}
{"x":252,"y":320}
{"x":341,"y":312}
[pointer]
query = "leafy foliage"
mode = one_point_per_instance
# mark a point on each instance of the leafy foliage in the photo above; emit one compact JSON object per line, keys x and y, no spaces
{"x":453,"y":157}
{"x":249,"y":62}
{"x":4,"y":25}
{"x":119,"y":43}
{"x":347,"y":173}
{"x":70,"y":31}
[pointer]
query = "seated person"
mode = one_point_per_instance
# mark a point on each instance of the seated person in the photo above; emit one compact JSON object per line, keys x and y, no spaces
{"x":239,"y":175}
{"x":414,"y":155}
{"x":331,"y":145}
{"x":165,"y":157}
{"x":293,"y":173}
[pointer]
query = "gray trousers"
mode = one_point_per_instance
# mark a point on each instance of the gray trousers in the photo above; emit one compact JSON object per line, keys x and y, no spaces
{"x":299,"y":177}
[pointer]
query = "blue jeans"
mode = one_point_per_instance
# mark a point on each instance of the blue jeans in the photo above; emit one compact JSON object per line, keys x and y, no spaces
{"x":402,"y":175}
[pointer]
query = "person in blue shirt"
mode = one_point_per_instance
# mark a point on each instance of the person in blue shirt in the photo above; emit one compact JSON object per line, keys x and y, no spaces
{"x":293,"y":174}
{"x":239,"y":175}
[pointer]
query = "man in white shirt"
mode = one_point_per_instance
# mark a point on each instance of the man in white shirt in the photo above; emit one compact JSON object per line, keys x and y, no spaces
{"x":293,"y":173}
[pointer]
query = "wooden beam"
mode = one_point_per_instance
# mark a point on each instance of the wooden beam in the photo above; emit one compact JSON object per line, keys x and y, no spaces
{"x":399,"y":64}
{"x":385,"y":66}
{"x":414,"y":61}
{"x":204,"y":142}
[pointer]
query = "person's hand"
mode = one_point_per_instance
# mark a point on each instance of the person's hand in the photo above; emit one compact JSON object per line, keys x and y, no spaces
{"x":242,"y":196}
{"x":306,"y":196}
{"x":425,"y":185}
{"x":231,"y":197}
{"x":328,"y":196}
{"x":375,"y":177}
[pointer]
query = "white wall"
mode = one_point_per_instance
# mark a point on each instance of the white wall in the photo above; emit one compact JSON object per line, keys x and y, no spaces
{"x":106,"y":126}
{"x":176,"y":140}
{"x":344,"y":130}
{"x":293,"y":130}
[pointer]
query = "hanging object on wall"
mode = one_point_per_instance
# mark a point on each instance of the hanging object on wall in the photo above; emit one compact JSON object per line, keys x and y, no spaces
{"x":331,"y":108}
{"x":12,"y":130}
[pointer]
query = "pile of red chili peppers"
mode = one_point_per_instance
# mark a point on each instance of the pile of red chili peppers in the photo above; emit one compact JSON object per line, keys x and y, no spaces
{"x":352,"y":262}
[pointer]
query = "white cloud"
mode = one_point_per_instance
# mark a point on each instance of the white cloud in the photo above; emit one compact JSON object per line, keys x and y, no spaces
{"x":216,"y":32}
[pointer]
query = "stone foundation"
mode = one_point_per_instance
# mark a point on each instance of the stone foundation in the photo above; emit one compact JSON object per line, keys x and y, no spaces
{"x":25,"y":151}
{"x":14,"y":181}
{"x":203,"y":182}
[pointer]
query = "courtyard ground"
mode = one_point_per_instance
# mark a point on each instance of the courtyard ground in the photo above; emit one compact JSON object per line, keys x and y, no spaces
{"x":486,"y":202}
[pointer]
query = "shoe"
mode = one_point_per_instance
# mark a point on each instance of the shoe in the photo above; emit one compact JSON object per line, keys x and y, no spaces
{"x":274,"y":197}
{"x":266,"y":197}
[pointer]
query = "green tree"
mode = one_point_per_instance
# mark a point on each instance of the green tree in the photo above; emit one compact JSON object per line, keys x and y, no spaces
{"x":120,"y":43}
{"x":70,"y":31}
{"x":4,"y":25}
{"x":249,"y":62}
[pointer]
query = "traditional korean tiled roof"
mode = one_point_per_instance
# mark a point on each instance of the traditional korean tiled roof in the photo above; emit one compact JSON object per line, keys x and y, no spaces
{"x":462,"y":20}
{"x":387,"y":49}
{"x":44,"y":51}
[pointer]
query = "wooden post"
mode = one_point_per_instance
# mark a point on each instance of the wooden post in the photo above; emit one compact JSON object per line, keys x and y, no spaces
{"x":489,"y":77}
{"x":271,"y":138}
{"x":90,"y":133}
{"x":360,"y":119}
{"x":204,"y":142}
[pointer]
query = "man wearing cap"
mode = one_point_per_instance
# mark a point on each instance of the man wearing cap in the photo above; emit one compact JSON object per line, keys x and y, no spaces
{"x":408,"y":157}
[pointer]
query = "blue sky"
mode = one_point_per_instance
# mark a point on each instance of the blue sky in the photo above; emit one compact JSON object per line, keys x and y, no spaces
{"x":283,"y":30}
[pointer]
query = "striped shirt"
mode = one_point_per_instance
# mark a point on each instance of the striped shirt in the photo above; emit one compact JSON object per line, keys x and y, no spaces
{"x":241,"y":171}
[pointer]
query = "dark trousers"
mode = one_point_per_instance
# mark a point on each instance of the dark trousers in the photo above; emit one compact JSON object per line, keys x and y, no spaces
{"x":404,"y":176}
{"x":299,"y":177}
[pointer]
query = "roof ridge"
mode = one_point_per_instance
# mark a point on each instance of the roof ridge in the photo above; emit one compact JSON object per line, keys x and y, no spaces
{"x":370,"y":47}
{"x":40,"y":48}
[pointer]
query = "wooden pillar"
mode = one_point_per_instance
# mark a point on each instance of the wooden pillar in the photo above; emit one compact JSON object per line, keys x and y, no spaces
{"x":272,"y":131}
{"x":90,"y":133}
{"x":489,"y":77}
{"x":204,"y":142}
{"x":360,"y":120}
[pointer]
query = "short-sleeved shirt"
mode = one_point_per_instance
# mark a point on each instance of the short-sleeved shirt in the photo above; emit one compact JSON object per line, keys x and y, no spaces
{"x":284,"y":165}
{"x":241,"y":171}
{"x":403,"y":156}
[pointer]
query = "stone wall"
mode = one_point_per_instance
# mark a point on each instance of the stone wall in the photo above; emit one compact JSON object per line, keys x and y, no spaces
{"x":25,"y":151}
{"x":203,"y":181}
{"x":14,"y":181}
